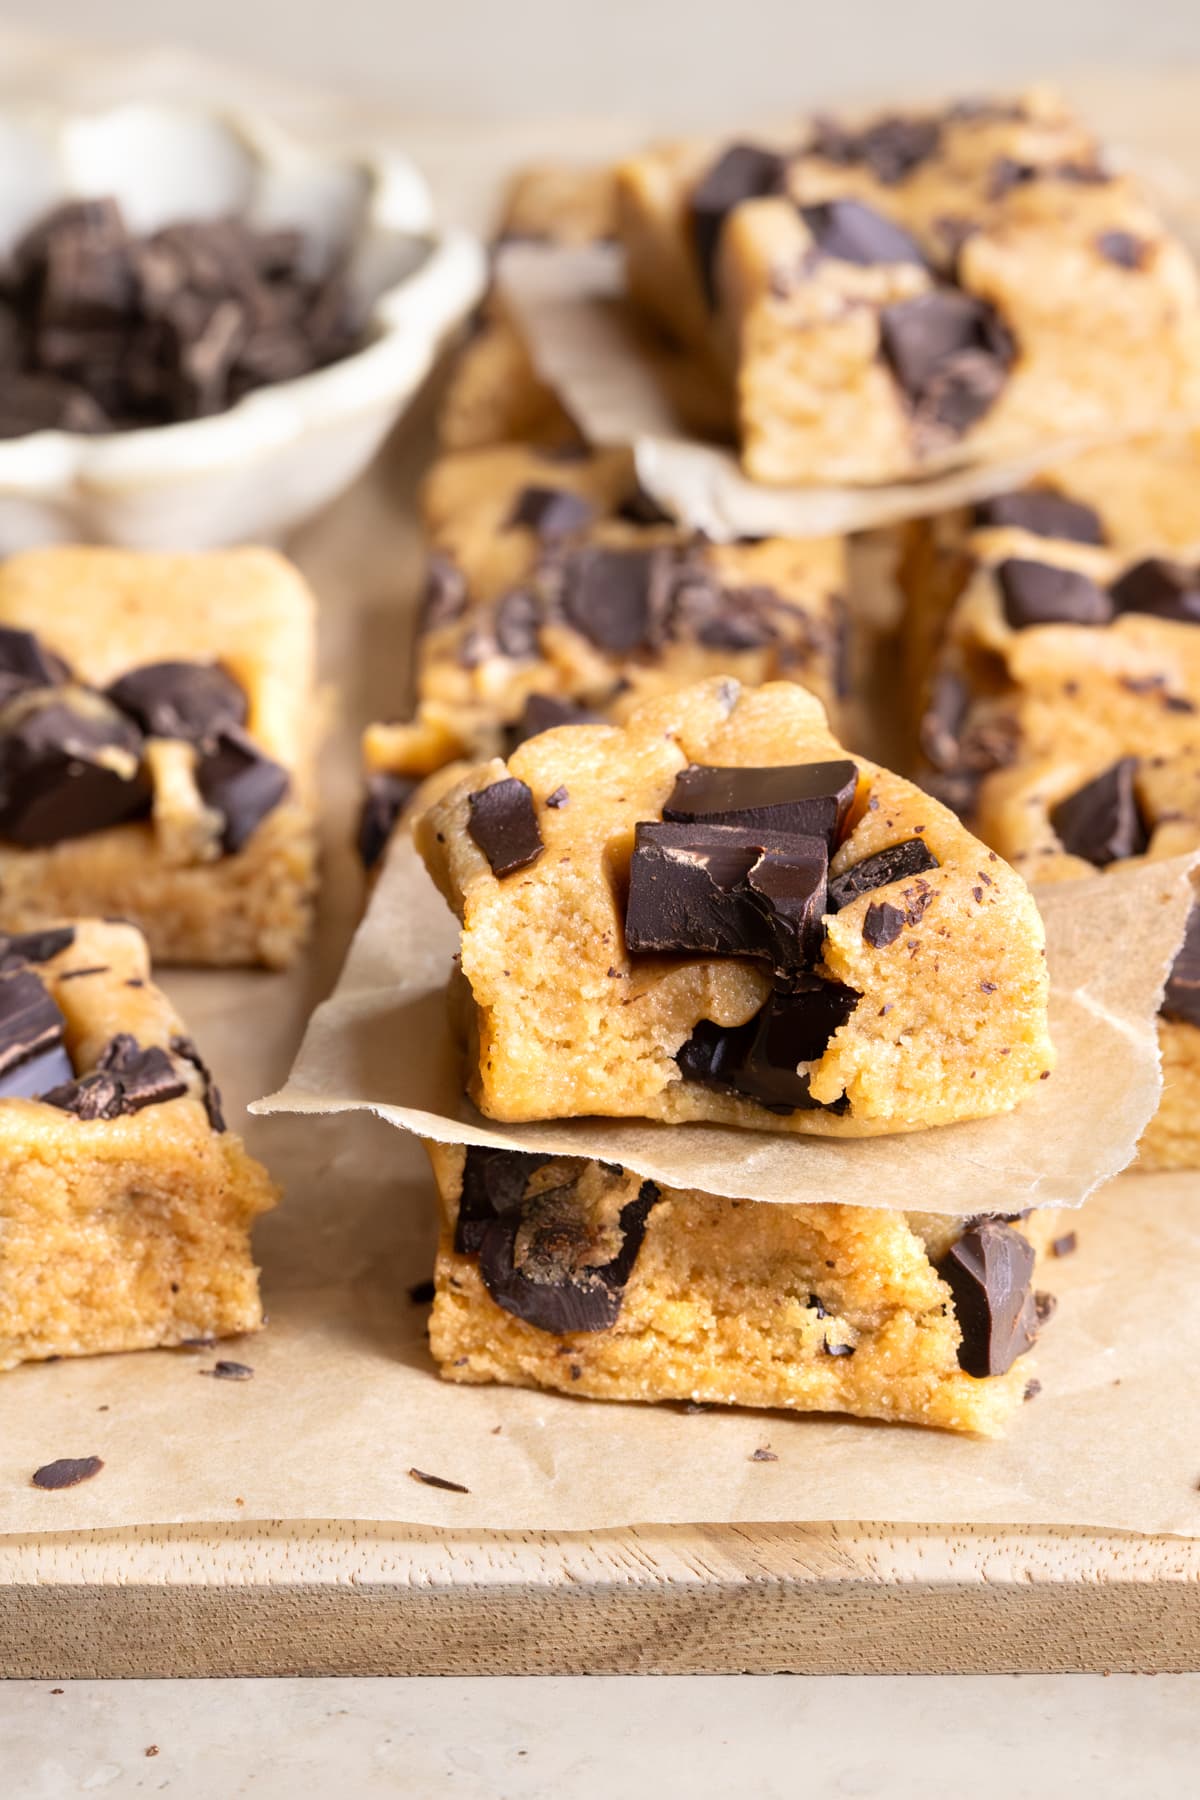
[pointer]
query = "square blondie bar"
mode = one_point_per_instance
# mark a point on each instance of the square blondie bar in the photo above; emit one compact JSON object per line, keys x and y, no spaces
{"x":125,"y":1203}
{"x":157,"y":748}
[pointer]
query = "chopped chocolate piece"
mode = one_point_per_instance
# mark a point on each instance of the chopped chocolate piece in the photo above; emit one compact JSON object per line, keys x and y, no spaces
{"x":230,"y":1371}
{"x":882,"y":924}
{"x":558,"y":798}
{"x":1182,"y":998}
{"x":445,"y":598}
{"x":67,"y":1472}
{"x":891,"y":148}
{"x":764,"y":1454}
{"x":185,"y":1047}
{"x":38,"y":946}
{"x":1100,"y":821}
{"x":1165,"y":590}
{"x":1044,"y":513}
{"x":126,"y":1079}
{"x":545,"y":712}
{"x":837,"y":1349}
{"x":66,"y":772}
{"x":421,"y":1293}
{"x":32,"y":1054}
{"x":26,"y":663}
{"x":1036,"y":593}
{"x":641,"y":508}
{"x":607,"y":596}
{"x":723,"y":890}
{"x":743,"y":172}
{"x":550,"y":512}
{"x":950,"y":354}
{"x":1123,"y":249}
{"x":943,"y":719}
{"x":852,"y":232}
{"x":538,"y":1261}
{"x":989,"y":1272}
{"x":384,"y":798}
{"x":438,"y":1481}
{"x":493,"y":1182}
{"x":503,"y":823}
{"x":239,"y":781}
{"x":803,"y":799}
{"x":896,"y":863}
{"x":189,"y":700}
{"x":1065,"y":1245}
{"x":760,"y":1060}
{"x":1044,"y":1306}
{"x":516,"y":621}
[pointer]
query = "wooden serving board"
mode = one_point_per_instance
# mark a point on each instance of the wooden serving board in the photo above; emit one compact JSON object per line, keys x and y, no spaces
{"x":852,"y":1599}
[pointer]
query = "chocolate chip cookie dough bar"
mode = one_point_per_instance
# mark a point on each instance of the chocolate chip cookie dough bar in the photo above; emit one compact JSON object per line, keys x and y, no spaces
{"x":125,"y":1203}
{"x":912,"y":292}
{"x":157,"y":746}
{"x":578,"y":1276}
{"x":714,"y":913}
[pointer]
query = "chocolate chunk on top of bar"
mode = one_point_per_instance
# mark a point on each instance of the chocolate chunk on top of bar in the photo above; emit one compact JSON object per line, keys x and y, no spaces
{"x":33,"y":1056}
{"x":188,"y":700}
{"x":804,"y":799}
{"x":896,"y":863}
{"x":546,"y":712}
{"x":1182,"y":998}
{"x":1165,"y":590}
{"x":1043,"y":513}
{"x":723,"y":890}
{"x":126,"y":1079}
{"x":607,"y":595}
{"x":1037,"y":593}
{"x":26,"y":663}
{"x":851,"y":232}
{"x":68,"y":767}
{"x":891,"y":148}
{"x":502,"y":821}
{"x":544,"y":1260}
{"x":989,"y":1271}
{"x":1101,"y":821}
{"x":743,"y":172}
{"x":240,"y":782}
{"x":950,"y":353}
{"x":550,"y":512}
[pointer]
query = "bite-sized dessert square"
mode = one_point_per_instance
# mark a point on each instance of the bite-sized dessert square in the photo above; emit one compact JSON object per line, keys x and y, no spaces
{"x":714,"y":913}
{"x":910,"y":292}
{"x":579,"y":1276}
{"x":125,"y":1203}
{"x":157,"y":748}
{"x":558,"y":594}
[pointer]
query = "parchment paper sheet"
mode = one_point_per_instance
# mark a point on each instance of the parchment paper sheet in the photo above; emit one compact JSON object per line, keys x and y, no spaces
{"x":344,"y":1399}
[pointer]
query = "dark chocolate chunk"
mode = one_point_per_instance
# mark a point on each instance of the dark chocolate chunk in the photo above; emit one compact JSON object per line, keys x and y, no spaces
{"x":1165,"y":590}
{"x":1123,"y":249}
{"x":538,"y":1261}
{"x":943,"y":719}
{"x":764,"y":1454}
{"x":1182,"y":998}
{"x":896,"y":863}
{"x":503,"y":823}
{"x":1066,"y":1245}
{"x":185,"y":1047}
{"x":803,"y":799}
{"x":1044,"y":513}
{"x":838,"y":1349}
{"x":854,"y":233}
{"x":38,"y":946}
{"x":57,"y":778}
{"x":743,"y":172}
{"x":546,"y":712}
{"x":438,"y":1481}
{"x":607,"y":596}
{"x":882,"y":924}
{"x":189,"y":700}
{"x":723,"y":890}
{"x":759,"y":1060}
{"x":421,"y":1293}
{"x":558,"y":798}
{"x":950,"y":354}
{"x":126,"y":1079}
{"x":891,"y":148}
{"x":240,"y":782}
{"x":79,"y":974}
{"x":384,"y":798}
{"x":33,"y":1058}
{"x":231,"y":1371}
{"x":1036,"y":593}
{"x":67,"y":1472}
{"x":516,"y":621}
{"x":1100,"y":821}
{"x":989,"y":1272}
{"x":493,"y":1182}
{"x":445,"y":597}
{"x":26,"y":663}
{"x":550,"y":512}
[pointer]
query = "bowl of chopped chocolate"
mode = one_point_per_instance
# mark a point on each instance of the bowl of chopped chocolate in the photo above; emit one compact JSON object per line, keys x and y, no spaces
{"x":206,"y":328}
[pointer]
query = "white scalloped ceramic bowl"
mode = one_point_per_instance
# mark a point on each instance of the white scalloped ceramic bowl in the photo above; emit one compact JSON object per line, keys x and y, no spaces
{"x":285,"y":450}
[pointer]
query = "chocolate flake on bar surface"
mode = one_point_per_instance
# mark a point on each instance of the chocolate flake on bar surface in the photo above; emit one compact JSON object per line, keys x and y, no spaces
{"x":540,"y":1260}
{"x":950,"y":354}
{"x":493,"y":1181}
{"x":503,"y":823}
{"x":66,"y":772}
{"x":237,"y":780}
{"x":852,"y":232}
{"x":1036,"y":593}
{"x":1101,"y":822}
{"x":989,"y":1272}
{"x":743,"y":172}
{"x":211,"y":1094}
{"x":801,"y":799}
{"x":1043,"y":513}
{"x":1065,"y":1245}
{"x":760,"y":1060}
{"x":1164,"y":590}
{"x":384,"y":798}
{"x":108,"y":330}
{"x":897,"y":863}
{"x":550,"y":512}
{"x":1123,"y":249}
{"x":67,"y":1472}
{"x":546,"y":712}
{"x":188,"y":700}
{"x":33,"y":1056}
{"x":126,"y":1079}
{"x":1182,"y":998}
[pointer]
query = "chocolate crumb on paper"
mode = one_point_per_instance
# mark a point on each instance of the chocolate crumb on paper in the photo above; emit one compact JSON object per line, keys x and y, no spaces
{"x":229,"y":1371}
{"x":438,"y":1481}
{"x":421,"y":1292}
{"x":1065,"y":1245}
{"x":67,"y":1472}
{"x":764,"y":1453}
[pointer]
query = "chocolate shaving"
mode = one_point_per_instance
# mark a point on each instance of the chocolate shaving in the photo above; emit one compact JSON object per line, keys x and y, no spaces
{"x":438,"y":1481}
{"x":67,"y":1472}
